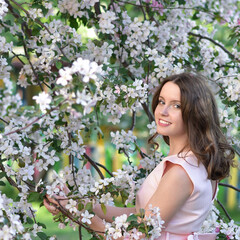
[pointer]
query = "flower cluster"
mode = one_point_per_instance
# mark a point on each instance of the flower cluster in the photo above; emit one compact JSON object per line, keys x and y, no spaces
{"x":10,"y":223}
{"x":151,"y":161}
{"x":130,"y":227}
{"x":74,"y":8}
{"x":101,"y":184}
{"x":105,"y":22}
{"x":3,"y":9}
{"x":230,"y":230}
{"x":123,"y":140}
{"x":211,"y":225}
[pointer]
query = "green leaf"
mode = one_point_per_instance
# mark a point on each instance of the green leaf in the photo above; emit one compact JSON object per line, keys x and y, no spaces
{"x":100,"y":132}
{"x":58,"y":65}
{"x":142,"y":212}
{"x":2,"y":183}
{"x":57,"y":217}
{"x":73,"y":23}
{"x":80,"y":206}
{"x":89,"y":206}
{"x":84,"y":20}
{"x":42,"y":224}
{"x":104,"y":209}
{"x":42,"y":235}
{"x":29,"y":220}
{"x":131,"y":101}
{"x":59,"y":99}
{"x":94,"y":238}
{"x":35,"y":127}
{"x":2,"y":126}
{"x":2,"y":174}
{"x":34,"y":197}
{"x":113,"y":59}
{"x":64,"y":106}
{"x":124,"y":195}
{"x":132,"y":218}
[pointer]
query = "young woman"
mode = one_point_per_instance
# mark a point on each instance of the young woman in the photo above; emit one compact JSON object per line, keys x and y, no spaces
{"x":184,"y":184}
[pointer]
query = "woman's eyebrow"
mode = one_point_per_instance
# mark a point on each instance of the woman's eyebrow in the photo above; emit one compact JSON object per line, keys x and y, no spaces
{"x":174,"y":100}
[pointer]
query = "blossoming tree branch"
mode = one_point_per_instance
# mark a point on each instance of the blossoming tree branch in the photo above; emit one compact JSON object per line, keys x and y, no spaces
{"x":111,"y":75}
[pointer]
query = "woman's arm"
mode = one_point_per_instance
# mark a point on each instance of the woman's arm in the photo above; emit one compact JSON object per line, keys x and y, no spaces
{"x":97,"y":221}
{"x":173,"y":191}
{"x":112,"y":211}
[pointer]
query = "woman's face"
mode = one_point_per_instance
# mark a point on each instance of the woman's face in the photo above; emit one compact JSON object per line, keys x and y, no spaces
{"x":168,"y":114}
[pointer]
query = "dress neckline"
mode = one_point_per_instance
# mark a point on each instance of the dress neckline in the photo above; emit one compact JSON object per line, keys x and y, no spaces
{"x":181,"y":154}
{"x":184,"y":155}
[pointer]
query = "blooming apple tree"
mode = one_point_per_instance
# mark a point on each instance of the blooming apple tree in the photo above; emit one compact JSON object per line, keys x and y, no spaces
{"x":109,"y":76}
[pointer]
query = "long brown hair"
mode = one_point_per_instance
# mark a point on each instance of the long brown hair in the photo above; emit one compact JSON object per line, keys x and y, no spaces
{"x":200,"y":115}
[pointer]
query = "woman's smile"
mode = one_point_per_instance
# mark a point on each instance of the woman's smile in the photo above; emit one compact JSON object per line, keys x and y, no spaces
{"x":163,"y":123}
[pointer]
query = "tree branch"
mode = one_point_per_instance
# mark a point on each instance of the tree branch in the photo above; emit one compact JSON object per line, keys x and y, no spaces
{"x":102,"y":166}
{"x":213,"y":41}
{"x":28,"y":58}
{"x":10,"y":180}
{"x":34,"y":121}
{"x":4,"y":121}
{"x":229,"y":186}
{"x":144,"y":14}
{"x":80,"y":232}
{"x":66,"y":213}
{"x":143,"y":155}
{"x":93,"y":163}
{"x":133,"y":121}
{"x":17,"y":56}
{"x":97,"y":8}
{"x":147,"y":111}
{"x":224,"y":209}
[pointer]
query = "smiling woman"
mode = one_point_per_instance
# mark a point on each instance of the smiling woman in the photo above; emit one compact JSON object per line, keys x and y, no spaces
{"x":168,"y":116}
{"x":184,"y":185}
{"x":198,"y":119}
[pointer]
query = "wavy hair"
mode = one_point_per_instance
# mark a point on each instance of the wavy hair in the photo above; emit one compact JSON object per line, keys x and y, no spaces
{"x":200,"y":115}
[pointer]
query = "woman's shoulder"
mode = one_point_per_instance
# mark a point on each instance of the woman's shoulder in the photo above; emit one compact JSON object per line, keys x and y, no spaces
{"x":183,"y":158}
{"x":189,"y":162}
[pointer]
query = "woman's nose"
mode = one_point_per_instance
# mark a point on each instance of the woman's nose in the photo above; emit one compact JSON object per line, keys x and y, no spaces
{"x":164,"y":110}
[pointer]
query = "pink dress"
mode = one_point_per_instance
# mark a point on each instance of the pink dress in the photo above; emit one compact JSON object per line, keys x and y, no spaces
{"x":192,"y":214}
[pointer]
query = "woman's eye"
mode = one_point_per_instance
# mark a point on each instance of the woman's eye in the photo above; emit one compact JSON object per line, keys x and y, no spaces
{"x":178,"y":106}
{"x":161,"y":102}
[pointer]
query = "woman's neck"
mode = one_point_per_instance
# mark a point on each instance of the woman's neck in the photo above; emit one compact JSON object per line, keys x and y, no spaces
{"x":178,"y":145}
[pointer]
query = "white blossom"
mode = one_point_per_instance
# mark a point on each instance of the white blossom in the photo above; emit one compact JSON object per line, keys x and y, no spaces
{"x":72,"y":206}
{"x":105,"y":22}
{"x":44,"y":100}
{"x":3,"y":9}
{"x":86,"y":216}
{"x":65,"y":76}
{"x":152,"y":127}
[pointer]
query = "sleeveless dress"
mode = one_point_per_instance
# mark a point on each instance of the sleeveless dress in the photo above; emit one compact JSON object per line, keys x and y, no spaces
{"x":192,"y":214}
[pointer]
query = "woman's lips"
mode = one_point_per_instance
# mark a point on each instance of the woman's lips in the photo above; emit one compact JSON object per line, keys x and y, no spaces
{"x":163,"y":123}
